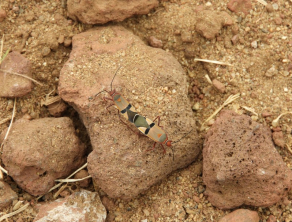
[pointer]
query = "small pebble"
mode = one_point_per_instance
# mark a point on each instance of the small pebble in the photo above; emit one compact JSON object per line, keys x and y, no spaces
{"x":46,"y":51}
{"x":154,"y":42}
{"x":269,"y":8}
{"x":67,"y":42}
{"x":254,"y":44}
{"x":2,"y":15}
{"x":61,"y":39}
{"x":196,"y":106}
{"x":218,"y":85}
{"x":275,"y":6}
{"x":271,"y":71}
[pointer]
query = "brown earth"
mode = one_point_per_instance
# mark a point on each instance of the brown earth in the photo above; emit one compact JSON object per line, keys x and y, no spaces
{"x":258,"y":45}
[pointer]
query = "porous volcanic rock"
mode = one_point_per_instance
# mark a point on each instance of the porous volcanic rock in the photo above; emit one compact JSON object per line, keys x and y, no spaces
{"x":7,"y":195}
{"x":103,"y":11}
{"x":13,"y":85}
{"x":241,"y":165}
{"x":154,"y":83}
{"x":38,"y":152}
{"x":83,"y":206}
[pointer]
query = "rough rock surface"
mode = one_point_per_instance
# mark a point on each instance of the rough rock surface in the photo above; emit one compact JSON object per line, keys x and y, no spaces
{"x":39,"y":151}
{"x":209,"y":23}
{"x":240,"y":6}
{"x":242,"y":215}
{"x":7,"y":195}
{"x":241,"y":165}
{"x":83,"y":206}
{"x":100,"y":12}
{"x":13,"y":85}
{"x":149,"y":78}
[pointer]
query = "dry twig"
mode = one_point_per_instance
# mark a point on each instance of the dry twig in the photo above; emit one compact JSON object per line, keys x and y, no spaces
{"x":72,"y":180}
{"x":14,"y":213}
{"x":230,"y":99}
{"x":275,"y":122}
{"x":250,"y":110}
{"x":24,"y":76}
{"x":213,"y":61}
{"x":11,"y":121}
{"x":59,"y":184}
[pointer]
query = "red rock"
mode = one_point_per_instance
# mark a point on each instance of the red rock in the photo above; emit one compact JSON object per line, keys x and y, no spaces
{"x":272,"y":218}
{"x":240,"y":6}
{"x":119,"y":163}
{"x":241,"y":164}
{"x":81,"y":174}
{"x":154,"y":42}
{"x":278,"y":21}
{"x":13,"y":85}
{"x":266,"y":114}
{"x":218,"y":85}
{"x":209,"y":23}
{"x":37,"y":152}
{"x":278,"y":139}
{"x":2,"y":15}
{"x":83,"y":206}
{"x":56,"y":109}
{"x":7,"y":195}
{"x":242,"y":215}
{"x":103,"y":11}
{"x":235,"y":39}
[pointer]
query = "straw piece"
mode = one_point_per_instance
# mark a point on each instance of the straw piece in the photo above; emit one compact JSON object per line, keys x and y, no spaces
{"x":213,"y":61}
{"x":14,"y":213}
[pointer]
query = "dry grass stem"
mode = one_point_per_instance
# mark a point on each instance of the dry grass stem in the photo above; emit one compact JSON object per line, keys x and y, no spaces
{"x":230,"y":99}
{"x":59,"y":184}
{"x":213,"y":61}
{"x":14,"y":213}
{"x":2,"y":169}
{"x":276,"y":121}
{"x":289,"y":148}
{"x":11,"y":121}
{"x":262,"y":2}
{"x":17,"y":205}
{"x":1,"y":49}
{"x":59,"y":191}
{"x":250,"y":110}
{"x":50,"y":100}
{"x":24,"y":76}
{"x":72,"y":180}
{"x":1,"y":175}
{"x":5,"y":120}
{"x":208,"y":79}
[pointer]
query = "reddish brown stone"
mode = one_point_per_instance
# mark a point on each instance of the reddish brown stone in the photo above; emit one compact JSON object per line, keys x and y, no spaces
{"x":2,"y":15}
{"x":103,"y":11}
{"x":278,"y":139}
{"x":154,"y":42}
{"x":13,"y":85}
{"x":38,"y":152}
{"x":209,"y":23}
{"x":218,"y":85}
{"x":7,"y":195}
{"x":119,"y":163}
{"x":240,"y":6}
{"x":272,"y":218}
{"x":241,"y":165}
{"x":241,"y":215}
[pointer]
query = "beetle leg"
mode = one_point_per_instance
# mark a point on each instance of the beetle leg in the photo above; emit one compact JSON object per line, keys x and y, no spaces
{"x":107,"y":98}
{"x":158,"y":124}
{"x":164,"y":151}
{"x":153,"y":147}
{"x":109,"y":107}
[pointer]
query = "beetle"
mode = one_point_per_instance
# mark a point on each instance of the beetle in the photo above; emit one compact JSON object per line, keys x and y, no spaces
{"x":146,"y":126}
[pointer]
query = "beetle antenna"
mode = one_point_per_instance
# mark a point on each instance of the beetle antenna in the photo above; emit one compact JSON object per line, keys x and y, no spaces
{"x":183,"y":136}
{"x":114,"y":78}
